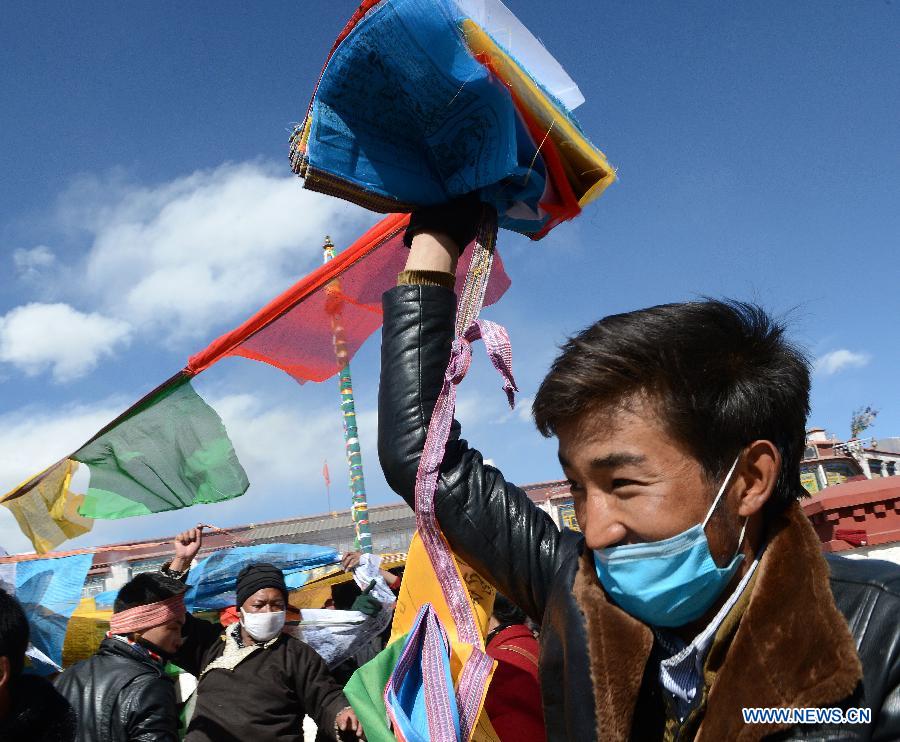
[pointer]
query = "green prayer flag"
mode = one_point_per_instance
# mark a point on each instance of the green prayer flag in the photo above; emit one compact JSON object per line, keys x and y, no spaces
{"x":365,"y":691}
{"x":170,"y":451}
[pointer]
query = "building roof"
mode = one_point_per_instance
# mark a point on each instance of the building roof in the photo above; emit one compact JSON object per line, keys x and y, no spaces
{"x":861,"y":513}
{"x":543,"y":491}
{"x":853,"y":494}
{"x":381,"y":517}
{"x":215,"y":539}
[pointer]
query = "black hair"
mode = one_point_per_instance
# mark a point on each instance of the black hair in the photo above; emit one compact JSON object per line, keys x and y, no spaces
{"x":13,"y":632}
{"x":145,"y":588}
{"x":344,"y":594}
{"x":506,"y":612}
{"x":721,"y":371}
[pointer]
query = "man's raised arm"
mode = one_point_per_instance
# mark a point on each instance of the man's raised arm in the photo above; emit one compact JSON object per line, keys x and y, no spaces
{"x":490,"y":524}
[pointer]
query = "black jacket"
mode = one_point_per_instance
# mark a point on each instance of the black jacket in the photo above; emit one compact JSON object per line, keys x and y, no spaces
{"x":495,"y":527}
{"x":121,"y":695}
{"x":38,"y":713}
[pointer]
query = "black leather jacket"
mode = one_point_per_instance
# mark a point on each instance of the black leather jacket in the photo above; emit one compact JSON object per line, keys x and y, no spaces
{"x":495,"y":527}
{"x":121,"y":695}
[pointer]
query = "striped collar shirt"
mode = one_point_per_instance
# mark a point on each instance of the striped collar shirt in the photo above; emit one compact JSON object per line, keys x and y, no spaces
{"x":681,"y":675}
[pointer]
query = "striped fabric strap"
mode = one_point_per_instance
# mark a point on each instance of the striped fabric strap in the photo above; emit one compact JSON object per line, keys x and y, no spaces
{"x":427,"y":645}
{"x":472,"y":683}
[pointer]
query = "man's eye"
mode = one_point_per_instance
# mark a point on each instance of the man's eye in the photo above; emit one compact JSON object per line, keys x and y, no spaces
{"x":574,"y":486}
{"x":617,"y":483}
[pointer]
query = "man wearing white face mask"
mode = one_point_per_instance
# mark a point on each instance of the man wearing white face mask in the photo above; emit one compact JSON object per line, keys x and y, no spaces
{"x":255,"y":682}
{"x":696,"y":587}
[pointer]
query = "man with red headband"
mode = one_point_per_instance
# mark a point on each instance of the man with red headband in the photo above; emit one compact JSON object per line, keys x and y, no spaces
{"x":122,"y":694}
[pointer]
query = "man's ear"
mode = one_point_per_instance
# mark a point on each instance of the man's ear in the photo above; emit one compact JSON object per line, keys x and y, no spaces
{"x":758,"y":471}
{"x":5,"y":672}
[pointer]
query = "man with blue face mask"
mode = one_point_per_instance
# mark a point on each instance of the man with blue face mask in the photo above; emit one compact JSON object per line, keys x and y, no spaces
{"x":696,"y":587}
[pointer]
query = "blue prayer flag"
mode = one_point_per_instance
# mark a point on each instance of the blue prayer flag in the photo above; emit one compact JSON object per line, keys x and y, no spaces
{"x":49,"y":591}
{"x":211,"y":582}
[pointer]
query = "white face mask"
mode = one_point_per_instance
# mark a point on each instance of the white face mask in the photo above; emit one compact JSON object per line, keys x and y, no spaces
{"x":263,"y":626}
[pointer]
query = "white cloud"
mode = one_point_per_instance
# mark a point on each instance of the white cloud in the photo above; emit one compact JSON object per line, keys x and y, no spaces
{"x":523,"y":409}
{"x":521,"y":412}
{"x":282,"y":447}
{"x":271,"y":440}
{"x":29,"y":263}
{"x":35,"y":337}
{"x":838,"y":360}
{"x":205,"y":248}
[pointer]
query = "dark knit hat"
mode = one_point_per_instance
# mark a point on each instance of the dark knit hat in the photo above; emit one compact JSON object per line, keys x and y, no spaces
{"x":258,"y":576}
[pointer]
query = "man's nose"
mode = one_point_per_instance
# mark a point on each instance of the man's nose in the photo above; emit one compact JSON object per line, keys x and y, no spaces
{"x":601,"y":527}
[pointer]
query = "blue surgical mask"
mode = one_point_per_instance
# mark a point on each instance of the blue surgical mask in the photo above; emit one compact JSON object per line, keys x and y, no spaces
{"x":670,"y":582}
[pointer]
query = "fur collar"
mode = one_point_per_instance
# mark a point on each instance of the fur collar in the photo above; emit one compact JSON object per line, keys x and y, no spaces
{"x":792,"y":647}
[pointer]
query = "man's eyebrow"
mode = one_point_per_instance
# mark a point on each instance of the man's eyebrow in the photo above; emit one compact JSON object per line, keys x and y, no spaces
{"x":609,"y":461}
{"x":613,"y":460}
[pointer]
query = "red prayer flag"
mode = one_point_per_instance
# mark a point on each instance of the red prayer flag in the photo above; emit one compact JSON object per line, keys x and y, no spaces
{"x":296,"y":331}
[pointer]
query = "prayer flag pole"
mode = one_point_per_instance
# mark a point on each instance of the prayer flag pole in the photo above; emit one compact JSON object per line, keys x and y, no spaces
{"x":359,"y":508}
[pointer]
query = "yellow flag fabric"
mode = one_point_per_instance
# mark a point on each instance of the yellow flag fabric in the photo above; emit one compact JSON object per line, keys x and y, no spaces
{"x":420,"y":585}
{"x":86,"y":629}
{"x":586,"y":167}
{"x":48,"y":512}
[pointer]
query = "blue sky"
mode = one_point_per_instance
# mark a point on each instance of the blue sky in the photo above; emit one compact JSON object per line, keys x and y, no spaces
{"x":146,"y":206}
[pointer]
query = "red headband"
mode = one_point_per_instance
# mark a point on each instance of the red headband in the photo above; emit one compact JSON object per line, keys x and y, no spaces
{"x":148,"y":616}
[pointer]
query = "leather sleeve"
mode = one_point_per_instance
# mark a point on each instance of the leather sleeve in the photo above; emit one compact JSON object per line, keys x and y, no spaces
{"x":883,"y":635}
{"x":151,"y":711}
{"x":490,"y":524}
{"x":888,"y":721}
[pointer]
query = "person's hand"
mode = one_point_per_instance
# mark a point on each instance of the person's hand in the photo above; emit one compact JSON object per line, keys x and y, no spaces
{"x":346,"y":721}
{"x":350,"y":560}
{"x":186,"y":544}
{"x":437,"y":234}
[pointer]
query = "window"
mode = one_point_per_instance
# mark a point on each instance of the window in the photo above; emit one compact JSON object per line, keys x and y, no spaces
{"x":875,"y":467}
{"x":809,"y":480}
{"x":837,"y":473}
{"x":153,"y":566}
{"x":567,"y":517}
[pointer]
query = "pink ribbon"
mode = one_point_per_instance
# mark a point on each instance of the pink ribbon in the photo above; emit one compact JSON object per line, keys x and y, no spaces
{"x":475,"y":673}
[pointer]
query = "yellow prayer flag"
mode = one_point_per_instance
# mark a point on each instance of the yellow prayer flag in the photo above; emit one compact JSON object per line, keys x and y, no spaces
{"x":48,"y":512}
{"x":85,"y":631}
{"x":420,"y":585}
